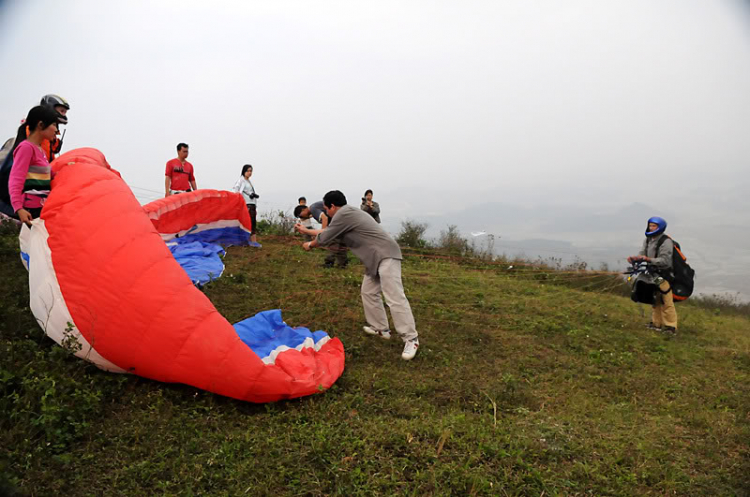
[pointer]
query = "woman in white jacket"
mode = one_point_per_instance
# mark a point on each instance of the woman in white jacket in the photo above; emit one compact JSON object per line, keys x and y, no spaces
{"x":247,"y":190}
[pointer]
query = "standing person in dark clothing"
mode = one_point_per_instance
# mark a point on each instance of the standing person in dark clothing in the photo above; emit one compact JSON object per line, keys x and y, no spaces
{"x":370,"y":206}
{"x":381,"y":256}
{"x":337,"y":250}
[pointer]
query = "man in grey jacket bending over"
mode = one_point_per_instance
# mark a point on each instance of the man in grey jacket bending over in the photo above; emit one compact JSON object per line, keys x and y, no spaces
{"x":382,"y":259}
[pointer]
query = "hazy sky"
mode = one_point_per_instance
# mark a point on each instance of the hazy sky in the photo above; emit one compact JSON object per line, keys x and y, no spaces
{"x":465,"y":96}
{"x":551,"y":120}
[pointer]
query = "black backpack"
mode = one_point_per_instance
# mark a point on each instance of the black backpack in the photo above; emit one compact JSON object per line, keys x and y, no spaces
{"x":6,"y":164}
{"x":682,"y":277}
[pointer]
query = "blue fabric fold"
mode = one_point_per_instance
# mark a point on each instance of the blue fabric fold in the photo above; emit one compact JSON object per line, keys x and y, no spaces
{"x":267,"y":331}
{"x":201,"y":261}
{"x":223,"y":236}
{"x":200,"y":253}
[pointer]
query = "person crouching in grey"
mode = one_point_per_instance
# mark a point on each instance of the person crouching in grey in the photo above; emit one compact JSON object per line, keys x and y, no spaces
{"x":337,"y":251}
{"x":381,"y":256}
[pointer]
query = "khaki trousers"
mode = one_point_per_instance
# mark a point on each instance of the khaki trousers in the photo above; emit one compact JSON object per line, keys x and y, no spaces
{"x":664,"y":312}
{"x":388,"y":284}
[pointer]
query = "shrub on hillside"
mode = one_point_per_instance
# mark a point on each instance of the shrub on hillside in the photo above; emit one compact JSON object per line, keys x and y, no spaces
{"x":722,"y":302}
{"x":483,"y":248}
{"x":412,"y":234}
{"x":275,"y":223}
{"x":452,"y":242}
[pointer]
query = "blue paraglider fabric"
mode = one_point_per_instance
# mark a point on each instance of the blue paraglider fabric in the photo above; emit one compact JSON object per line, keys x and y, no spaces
{"x":266,"y":332}
{"x":26,"y":260}
{"x":200,"y":260}
{"x":200,"y":253}
{"x":226,"y":237}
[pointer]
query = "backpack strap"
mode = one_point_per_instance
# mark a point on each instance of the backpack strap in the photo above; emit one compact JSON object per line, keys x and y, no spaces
{"x":667,"y":275}
{"x":661,"y":242}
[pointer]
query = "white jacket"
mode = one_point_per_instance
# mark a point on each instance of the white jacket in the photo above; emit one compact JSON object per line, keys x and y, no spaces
{"x":244,"y":187}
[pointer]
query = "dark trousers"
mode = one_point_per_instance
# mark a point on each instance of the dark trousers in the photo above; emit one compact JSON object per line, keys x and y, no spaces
{"x":337,"y":253}
{"x":253,"y":211}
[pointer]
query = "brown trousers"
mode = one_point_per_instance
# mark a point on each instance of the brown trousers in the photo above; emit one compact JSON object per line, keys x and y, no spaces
{"x":664,"y":313}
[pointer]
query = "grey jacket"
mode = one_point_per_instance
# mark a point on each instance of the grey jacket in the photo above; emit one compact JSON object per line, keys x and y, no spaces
{"x":374,"y":211}
{"x":663,"y":260}
{"x":363,"y":236}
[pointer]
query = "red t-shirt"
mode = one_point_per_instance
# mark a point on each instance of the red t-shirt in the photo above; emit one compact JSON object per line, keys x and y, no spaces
{"x":181,"y":174}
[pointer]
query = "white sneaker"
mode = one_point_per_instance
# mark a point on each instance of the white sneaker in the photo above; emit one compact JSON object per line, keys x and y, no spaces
{"x":410,"y":349}
{"x":372,"y":331}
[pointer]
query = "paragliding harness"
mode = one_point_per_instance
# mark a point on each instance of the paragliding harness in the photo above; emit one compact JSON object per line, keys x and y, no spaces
{"x":682,"y":276}
{"x":642,"y":287}
{"x":642,"y":276}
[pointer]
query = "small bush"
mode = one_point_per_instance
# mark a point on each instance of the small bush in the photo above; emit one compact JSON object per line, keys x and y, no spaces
{"x":485,"y":249}
{"x":8,"y":236}
{"x":452,"y":242}
{"x":275,"y":223}
{"x":412,"y":234}
{"x":722,"y":302}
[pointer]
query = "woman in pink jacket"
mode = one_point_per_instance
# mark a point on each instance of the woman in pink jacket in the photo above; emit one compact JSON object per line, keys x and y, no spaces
{"x":31,"y":175}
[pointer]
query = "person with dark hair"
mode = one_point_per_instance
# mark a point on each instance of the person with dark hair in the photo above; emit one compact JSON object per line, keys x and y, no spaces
{"x":371,"y":207}
{"x":180,"y":177}
{"x":246,"y":188}
{"x":61,"y":107}
{"x":306,"y":222}
{"x":337,"y":249}
{"x":303,"y":211}
{"x":381,"y":256}
{"x":31,"y":175}
{"x":657,"y":252}
{"x":50,"y":148}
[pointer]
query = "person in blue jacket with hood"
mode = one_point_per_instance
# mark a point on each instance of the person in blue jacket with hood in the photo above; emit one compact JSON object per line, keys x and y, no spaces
{"x":664,"y":315}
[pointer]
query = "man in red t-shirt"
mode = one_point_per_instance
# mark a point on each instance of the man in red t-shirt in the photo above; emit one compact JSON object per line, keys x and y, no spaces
{"x":179,"y":173}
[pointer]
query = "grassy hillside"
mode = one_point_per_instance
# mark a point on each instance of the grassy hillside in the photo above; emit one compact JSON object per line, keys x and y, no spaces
{"x":521,"y":387}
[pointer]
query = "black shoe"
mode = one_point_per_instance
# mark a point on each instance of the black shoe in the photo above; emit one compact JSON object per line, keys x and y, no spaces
{"x":652,"y":326}
{"x":669,"y":331}
{"x":327,"y":265}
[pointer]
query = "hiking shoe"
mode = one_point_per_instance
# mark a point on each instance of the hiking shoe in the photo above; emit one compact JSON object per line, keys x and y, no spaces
{"x":652,"y":326}
{"x":382,"y":334}
{"x":410,"y":349}
{"x":669,"y":331}
{"x":255,"y":244}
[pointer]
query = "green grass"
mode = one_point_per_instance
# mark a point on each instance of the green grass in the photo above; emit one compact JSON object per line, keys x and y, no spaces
{"x":521,"y":386}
